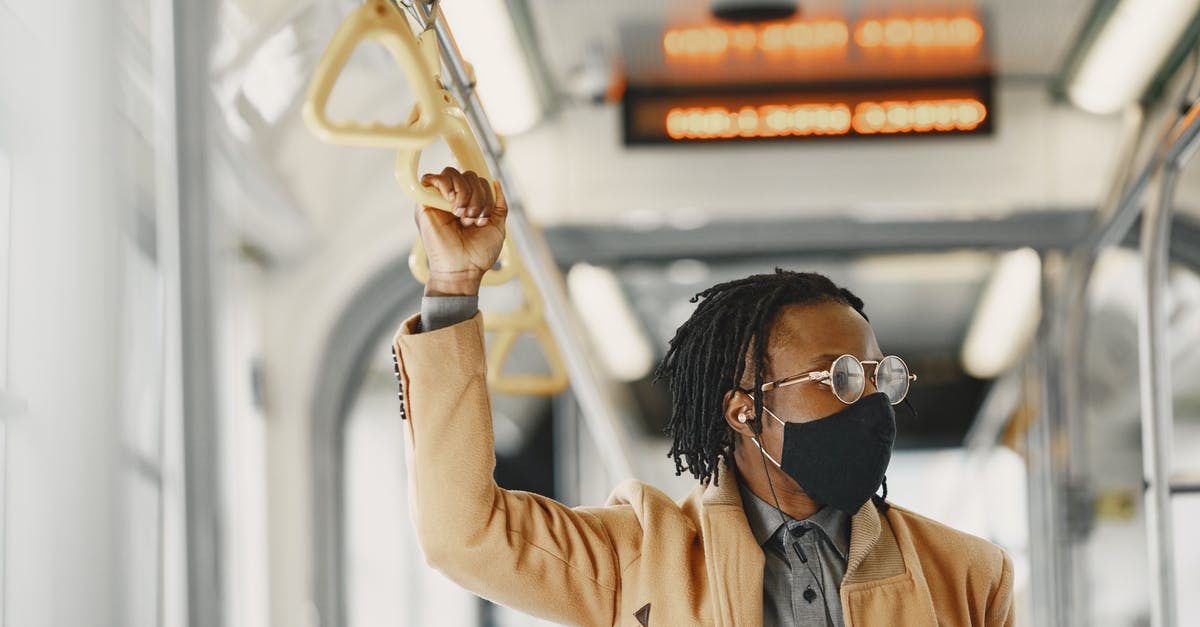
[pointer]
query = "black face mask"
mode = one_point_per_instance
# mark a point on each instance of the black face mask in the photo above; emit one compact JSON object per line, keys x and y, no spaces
{"x":840,"y":460}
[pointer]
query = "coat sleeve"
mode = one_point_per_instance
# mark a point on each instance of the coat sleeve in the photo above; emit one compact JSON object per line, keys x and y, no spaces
{"x":518,"y":549}
{"x":1000,"y":608}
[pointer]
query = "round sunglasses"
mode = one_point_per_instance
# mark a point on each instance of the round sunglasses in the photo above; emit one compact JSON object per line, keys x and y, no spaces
{"x":847,"y":378}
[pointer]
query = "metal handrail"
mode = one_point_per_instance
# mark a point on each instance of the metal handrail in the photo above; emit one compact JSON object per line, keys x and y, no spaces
{"x":1064,"y":333}
{"x":1177,"y":145}
{"x":600,"y":413}
{"x":1157,"y":414}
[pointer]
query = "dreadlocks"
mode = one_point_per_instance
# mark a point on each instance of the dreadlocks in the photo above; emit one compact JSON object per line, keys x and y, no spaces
{"x":710,"y":352}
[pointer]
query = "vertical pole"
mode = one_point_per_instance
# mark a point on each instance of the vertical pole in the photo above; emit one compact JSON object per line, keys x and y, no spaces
{"x":1044,"y":591}
{"x":172,"y":514}
{"x":566,"y":446}
{"x":1070,"y":313}
{"x":1052,"y":545}
{"x":192,"y":29}
{"x":600,"y":412}
{"x":1072,"y":316}
{"x":1157,"y":418}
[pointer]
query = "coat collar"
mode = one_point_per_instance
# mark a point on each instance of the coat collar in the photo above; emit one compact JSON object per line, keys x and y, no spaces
{"x":766,"y":522}
{"x":734,"y":559}
{"x":865,"y":529}
{"x":721,"y":495}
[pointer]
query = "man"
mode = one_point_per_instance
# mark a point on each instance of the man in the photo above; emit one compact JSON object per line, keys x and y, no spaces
{"x":782,"y":410}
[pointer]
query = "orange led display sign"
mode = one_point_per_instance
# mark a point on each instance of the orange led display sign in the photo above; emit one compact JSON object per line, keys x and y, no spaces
{"x":716,"y":43}
{"x":919,"y":33}
{"x":868,"y":118}
{"x":921,"y":116}
{"x":955,"y":107}
{"x":765,"y":121}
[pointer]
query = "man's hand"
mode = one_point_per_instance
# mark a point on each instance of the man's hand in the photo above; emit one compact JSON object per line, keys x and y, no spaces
{"x":463,"y":246}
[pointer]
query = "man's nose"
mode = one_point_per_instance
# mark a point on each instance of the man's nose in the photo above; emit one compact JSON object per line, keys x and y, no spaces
{"x":869,"y":387}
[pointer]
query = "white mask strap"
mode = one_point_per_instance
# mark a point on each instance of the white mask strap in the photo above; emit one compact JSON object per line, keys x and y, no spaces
{"x":777,"y":419}
{"x":768,"y":410}
{"x":759,"y":444}
{"x":764,"y":452}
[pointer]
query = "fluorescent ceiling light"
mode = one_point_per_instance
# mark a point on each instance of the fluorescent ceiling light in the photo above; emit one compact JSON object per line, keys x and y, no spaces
{"x":488,"y":40}
{"x":1007,"y":316}
{"x":1127,"y":52}
{"x":614,"y":330}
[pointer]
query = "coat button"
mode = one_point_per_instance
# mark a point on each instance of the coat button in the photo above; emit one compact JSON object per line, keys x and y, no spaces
{"x":810,"y":595}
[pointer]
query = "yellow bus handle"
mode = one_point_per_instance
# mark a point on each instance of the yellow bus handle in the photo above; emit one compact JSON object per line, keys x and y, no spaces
{"x":507,"y":328}
{"x":457,"y":133}
{"x":380,"y":21}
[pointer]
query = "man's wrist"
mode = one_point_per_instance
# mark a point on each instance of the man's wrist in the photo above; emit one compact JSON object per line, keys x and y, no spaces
{"x":453,"y":285}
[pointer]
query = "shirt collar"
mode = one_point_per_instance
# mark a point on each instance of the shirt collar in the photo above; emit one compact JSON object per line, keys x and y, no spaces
{"x":765,"y":521}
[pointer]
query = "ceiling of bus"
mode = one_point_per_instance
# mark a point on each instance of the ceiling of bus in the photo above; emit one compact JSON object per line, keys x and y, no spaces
{"x":1029,"y":38}
{"x":290,"y":182}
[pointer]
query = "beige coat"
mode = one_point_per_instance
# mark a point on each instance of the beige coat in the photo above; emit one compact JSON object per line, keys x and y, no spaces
{"x":693,"y":562}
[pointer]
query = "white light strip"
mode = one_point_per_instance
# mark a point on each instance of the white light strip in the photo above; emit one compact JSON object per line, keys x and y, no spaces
{"x":1130,"y":48}
{"x":488,"y":40}
{"x":1006,"y":318}
{"x":610,"y":322}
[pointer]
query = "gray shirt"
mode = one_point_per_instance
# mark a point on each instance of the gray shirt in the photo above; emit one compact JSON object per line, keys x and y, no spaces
{"x":805,"y":559}
{"x":438,"y":312}
{"x":804,"y":565}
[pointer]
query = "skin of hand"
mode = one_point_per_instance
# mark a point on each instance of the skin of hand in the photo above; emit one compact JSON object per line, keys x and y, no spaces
{"x":464,"y":245}
{"x":803,"y":338}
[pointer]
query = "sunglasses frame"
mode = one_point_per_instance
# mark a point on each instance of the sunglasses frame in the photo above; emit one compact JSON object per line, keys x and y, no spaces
{"x":824,"y":377}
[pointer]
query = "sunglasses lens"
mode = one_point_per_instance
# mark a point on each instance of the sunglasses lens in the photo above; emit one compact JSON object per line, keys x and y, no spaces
{"x":891,"y":378}
{"x":847,"y":379}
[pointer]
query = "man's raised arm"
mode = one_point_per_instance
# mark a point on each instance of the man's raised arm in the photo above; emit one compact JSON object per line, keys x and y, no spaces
{"x":519,"y":549}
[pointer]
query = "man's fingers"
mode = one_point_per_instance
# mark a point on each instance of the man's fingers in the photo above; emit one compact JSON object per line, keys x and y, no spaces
{"x":500,"y":212}
{"x":476,"y":201}
{"x":475,"y":207}
{"x":485,"y":190}
{"x":440,"y":183}
{"x":462,"y":192}
{"x":466,"y":200}
{"x":481,"y":201}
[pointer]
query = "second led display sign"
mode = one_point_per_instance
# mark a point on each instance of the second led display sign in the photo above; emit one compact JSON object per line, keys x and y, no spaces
{"x":954,"y":107}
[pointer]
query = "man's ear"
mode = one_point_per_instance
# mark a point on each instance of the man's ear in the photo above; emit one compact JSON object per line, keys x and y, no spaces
{"x":739,"y":413}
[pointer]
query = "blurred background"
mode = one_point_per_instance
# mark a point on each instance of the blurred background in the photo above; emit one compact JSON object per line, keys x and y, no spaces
{"x":198,"y":413}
